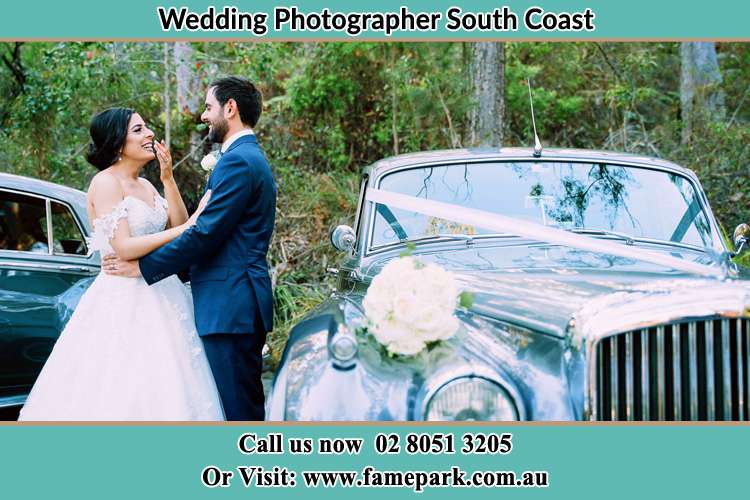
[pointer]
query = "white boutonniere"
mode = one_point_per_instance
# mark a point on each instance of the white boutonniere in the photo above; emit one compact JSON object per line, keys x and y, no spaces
{"x":209,"y":162}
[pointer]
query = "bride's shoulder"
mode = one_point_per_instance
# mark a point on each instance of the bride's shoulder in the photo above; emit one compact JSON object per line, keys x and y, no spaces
{"x":104,"y":189}
{"x":104,"y":180}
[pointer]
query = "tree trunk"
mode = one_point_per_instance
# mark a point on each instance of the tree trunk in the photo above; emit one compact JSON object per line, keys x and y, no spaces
{"x":167,"y":100}
{"x":701,"y":96}
{"x":12,"y":60}
{"x":487,"y":68}
{"x":189,"y":92}
{"x":188,"y":81}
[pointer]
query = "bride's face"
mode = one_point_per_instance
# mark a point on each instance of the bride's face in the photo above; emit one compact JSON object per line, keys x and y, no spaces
{"x":139,"y":141}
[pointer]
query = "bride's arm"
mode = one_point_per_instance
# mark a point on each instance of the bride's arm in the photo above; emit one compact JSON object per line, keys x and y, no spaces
{"x":105,"y":194}
{"x":177,"y":213}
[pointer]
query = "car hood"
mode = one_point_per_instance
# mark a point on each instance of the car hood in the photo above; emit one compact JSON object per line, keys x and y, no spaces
{"x":550,"y":288}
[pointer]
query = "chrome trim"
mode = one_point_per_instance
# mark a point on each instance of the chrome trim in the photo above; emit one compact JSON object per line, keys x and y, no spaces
{"x":358,"y":213}
{"x":342,"y":334}
{"x":614,"y":407}
{"x":695,"y":375}
{"x":726,"y":370}
{"x":11,"y":401}
{"x":440,"y":379}
{"x":676,"y":372}
{"x":665,"y":302}
{"x":93,"y":269}
{"x":710,"y":397}
{"x":75,"y":269}
{"x":645,"y":376}
{"x":630,"y":406}
{"x":740,"y":372}
{"x":81,"y":229}
{"x":25,"y":193}
{"x":50,"y":238}
{"x":593,"y":410}
{"x":693,"y":348}
{"x":661,"y":371}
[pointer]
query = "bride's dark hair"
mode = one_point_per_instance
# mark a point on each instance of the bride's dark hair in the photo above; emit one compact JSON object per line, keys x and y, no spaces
{"x":108,"y":131}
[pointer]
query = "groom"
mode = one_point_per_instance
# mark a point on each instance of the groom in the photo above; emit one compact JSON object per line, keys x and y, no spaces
{"x":226,"y":251}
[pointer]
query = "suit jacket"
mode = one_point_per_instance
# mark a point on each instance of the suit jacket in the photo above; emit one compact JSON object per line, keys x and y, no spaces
{"x":226,"y":249}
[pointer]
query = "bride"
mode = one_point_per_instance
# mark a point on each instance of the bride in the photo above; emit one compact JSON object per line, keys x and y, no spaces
{"x":130,"y":351}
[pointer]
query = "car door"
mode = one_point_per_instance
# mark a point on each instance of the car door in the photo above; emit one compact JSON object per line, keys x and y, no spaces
{"x":45,"y":266}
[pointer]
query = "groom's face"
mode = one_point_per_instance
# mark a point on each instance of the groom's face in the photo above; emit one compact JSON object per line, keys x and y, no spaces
{"x":213,"y":116}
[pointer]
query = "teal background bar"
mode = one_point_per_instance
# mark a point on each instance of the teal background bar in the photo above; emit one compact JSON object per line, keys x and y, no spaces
{"x":584,"y":461}
{"x":137,"y":19}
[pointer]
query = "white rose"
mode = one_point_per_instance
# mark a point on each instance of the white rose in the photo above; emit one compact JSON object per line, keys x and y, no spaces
{"x":208,"y":162}
{"x":406,"y":346}
{"x":410,"y":304}
{"x":406,"y":307}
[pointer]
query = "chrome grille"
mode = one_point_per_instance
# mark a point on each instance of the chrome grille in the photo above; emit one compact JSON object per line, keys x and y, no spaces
{"x":692,"y":370}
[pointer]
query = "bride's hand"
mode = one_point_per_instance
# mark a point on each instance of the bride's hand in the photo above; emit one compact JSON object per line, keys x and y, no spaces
{"x":201,"y":206}
{"x":165,"y":161}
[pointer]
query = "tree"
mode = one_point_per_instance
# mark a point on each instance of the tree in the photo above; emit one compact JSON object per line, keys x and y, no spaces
{"x":486,"y":117}
{"x":701,"y":95}
{"x":11,"y":59}
{"x":189,"y":91}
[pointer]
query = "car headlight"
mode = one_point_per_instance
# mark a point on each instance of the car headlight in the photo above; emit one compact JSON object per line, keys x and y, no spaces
{"x":470,"y":398}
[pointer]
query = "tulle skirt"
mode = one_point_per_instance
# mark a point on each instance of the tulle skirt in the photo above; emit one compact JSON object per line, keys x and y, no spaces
{"x":130,"y":352}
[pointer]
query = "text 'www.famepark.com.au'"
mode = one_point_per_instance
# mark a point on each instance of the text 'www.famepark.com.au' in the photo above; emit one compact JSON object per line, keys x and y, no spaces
{"x":369,"y":477}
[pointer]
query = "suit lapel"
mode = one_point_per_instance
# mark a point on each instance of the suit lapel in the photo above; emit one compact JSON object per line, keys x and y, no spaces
{"x":242,"y":140}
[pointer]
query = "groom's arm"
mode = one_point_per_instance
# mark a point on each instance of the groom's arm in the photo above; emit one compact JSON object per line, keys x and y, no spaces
{"x":231,"y":188}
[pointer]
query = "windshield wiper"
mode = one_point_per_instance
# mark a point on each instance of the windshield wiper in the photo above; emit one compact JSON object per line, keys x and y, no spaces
{"x":631,"y":240}
{"x":468,"y":238}
{"x":628,"y":239}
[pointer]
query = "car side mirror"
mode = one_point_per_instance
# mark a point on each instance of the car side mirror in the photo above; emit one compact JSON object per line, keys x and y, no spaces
{"x":343,"y":238}
{"x":741,"y":237}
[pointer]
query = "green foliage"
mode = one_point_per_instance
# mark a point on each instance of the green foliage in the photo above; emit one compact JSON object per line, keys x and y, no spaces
{"x":466,"y":299}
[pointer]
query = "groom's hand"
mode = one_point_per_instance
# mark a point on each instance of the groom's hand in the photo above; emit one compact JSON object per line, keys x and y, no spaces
{"x":114,"y":266}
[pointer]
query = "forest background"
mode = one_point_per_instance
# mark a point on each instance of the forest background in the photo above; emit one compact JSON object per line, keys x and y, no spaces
{"x":332,"y":108}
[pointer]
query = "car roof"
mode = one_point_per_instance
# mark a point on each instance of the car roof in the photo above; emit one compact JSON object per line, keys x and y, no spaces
{"x":42,"y":188}
{"x":479,"y":154}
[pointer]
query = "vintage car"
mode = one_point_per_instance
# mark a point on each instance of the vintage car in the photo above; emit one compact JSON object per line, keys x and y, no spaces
{"x":45,"y":266}
{"x":602,"y":288}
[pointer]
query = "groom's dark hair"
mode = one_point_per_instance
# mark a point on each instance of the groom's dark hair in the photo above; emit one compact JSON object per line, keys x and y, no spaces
{"x":248,"y":98}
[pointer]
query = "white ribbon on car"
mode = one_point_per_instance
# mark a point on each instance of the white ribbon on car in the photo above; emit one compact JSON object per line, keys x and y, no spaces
{"x":532,"y":230}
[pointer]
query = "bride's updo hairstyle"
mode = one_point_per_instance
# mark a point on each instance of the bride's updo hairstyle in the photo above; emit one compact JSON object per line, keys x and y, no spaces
{"x":108,"y":131}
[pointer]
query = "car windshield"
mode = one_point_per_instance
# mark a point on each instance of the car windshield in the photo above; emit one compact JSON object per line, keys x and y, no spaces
{"x":582,"y":197}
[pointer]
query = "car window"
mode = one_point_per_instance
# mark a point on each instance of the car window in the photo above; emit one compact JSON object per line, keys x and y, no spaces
{"x":579,"y":196}
{"x":23,"y":223}
{"x":66,"y":234}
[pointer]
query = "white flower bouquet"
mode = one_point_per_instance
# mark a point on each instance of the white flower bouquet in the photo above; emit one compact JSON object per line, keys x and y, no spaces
{"x":410,"y":305}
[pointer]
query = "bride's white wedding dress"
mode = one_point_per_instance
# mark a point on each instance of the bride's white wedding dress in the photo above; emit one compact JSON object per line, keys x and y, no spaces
{"x":130,"y":351}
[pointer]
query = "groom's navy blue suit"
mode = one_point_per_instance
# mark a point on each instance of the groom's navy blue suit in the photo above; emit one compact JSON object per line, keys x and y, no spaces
{"x":226,"y":254}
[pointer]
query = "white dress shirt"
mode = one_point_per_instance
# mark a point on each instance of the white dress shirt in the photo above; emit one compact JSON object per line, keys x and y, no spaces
{"x":234,"y":137}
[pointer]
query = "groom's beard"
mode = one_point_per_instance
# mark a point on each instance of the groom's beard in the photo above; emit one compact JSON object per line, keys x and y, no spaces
{"x":218,"y":131}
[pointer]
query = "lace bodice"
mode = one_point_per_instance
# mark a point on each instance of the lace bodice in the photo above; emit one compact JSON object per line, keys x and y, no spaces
{"x":142,"y":219}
